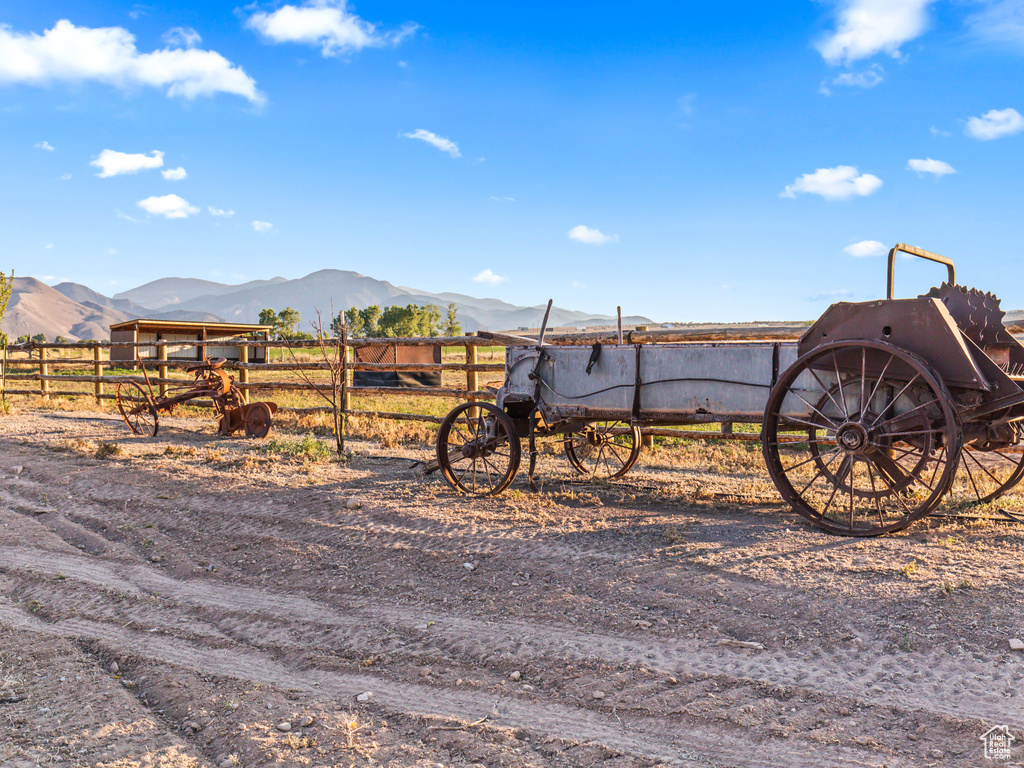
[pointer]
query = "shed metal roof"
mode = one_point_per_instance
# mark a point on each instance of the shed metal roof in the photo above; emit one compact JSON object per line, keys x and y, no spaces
{"x":144,"y":324}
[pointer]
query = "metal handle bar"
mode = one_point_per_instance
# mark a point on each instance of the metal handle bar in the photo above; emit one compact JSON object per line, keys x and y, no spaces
{"x":912,"y":250}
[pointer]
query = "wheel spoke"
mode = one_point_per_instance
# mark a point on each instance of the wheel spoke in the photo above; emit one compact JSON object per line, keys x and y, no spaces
{"x":839,"y":382}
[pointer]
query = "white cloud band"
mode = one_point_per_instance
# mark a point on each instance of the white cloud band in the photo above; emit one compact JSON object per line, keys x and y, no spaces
{"x":108,"y":54}
{"x":839,"y":183}
{"x":995,"y":124}
{"x":168,"y":206}
{"x":113,"y":163}
{"x":590,"y":236}
{"x":934,"y":167}
{"x":325,"y":23}
{"x":445,"y":145}
{"x":869,"y":27}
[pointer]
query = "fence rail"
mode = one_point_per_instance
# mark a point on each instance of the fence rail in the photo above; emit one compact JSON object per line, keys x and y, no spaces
{"x":41,"y":366}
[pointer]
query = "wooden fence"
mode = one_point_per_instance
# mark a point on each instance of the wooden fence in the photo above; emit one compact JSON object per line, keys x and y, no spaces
{"x":44,"y":369}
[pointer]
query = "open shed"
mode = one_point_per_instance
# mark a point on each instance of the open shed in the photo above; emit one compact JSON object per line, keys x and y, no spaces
{"x":217,"y":336}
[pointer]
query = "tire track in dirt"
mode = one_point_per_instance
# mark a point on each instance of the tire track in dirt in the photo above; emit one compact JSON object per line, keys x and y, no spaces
{"x":654,"y":738}
{"x":930,"y":682}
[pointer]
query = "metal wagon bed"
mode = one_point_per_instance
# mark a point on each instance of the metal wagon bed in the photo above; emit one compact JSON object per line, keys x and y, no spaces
{"x":867,"y":421}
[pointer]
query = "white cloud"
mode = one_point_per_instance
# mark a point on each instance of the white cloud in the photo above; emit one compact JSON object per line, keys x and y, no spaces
{"x":168,"y":206}
{"x":65,"y":177}
{"x":934,"y":167}
{"x":868,"y":27}
{"x":219,"y":212}
{"x":48,"y":246}
{"x":938,"y":132}
{"x":488,"y":277}
{"x":113,"y":163}
{"x":434,"y":140}
{"x":44,"y":145}
{"x":182,"y":37}
{"x":591,"y":236}
{"x":325,"y":23}
{"x":108,"y":54}
{"x":866,"y":248}
{"x":503,"y":199}
{"x":839,"y":183}
{"x":995,"y":124}
{"x":174,"y":174}
{"x":867,"y":78}
{"x":262,"y":226}
{"x":1000,"y":21}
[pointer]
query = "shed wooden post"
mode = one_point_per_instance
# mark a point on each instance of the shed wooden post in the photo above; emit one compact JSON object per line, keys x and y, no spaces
{"x":97,"y":369}
{"x":243,"y":374}
{"x":472,"y":377}
{"x":44,"y":371}
{"x":161,"y":353}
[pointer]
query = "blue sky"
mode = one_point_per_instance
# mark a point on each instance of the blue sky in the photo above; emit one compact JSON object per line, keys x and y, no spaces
{"x":689,"y":161}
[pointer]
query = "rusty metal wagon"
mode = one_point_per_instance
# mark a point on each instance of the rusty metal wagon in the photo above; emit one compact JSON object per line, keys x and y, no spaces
{"x":140,"y":406}
{"x":880,"y":410}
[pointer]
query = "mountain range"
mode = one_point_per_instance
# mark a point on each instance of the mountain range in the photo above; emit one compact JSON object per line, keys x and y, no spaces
{"x":78,"y":312}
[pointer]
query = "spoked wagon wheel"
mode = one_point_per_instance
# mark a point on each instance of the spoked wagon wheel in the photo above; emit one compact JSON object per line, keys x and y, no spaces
{"x":861,"y":437}
{"x":604,"y":450}
{"x":478,"y":454}
{"x":137,"y":408}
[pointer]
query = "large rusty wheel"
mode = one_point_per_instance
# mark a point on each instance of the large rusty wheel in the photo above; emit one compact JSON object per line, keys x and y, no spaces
{"x":137,"y":408}
{"x":257,"y":420}
{"x":604,"y":450}
{"x":861,"y":437}
{"x":479,"y":453}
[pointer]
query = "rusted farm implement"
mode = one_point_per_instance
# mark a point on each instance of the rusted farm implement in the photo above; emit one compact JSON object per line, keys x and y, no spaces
{"x":867,"y":422}
{"x":140,"y":407}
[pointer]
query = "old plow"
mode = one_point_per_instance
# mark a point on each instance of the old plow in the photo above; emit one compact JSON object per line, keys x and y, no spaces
{"x":140,"y":406}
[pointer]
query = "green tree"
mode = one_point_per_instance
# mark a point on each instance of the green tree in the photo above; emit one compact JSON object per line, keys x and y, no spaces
{"x":354,"y":320}
{"x":62,"y":340}
{"x":6,"y":286}
{"x":371,"y":321}
{"x":288,"y":320}
{"x":23,"y":340}
{"x":451,"y":327}
{"x":269,"y":317}
{"x":39,"y":338}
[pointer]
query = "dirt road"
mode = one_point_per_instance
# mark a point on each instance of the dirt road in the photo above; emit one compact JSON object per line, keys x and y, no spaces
{"x":192,"y":601}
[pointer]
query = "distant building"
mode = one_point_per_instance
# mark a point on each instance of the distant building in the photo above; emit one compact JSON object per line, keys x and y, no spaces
{"x":142,"y":330}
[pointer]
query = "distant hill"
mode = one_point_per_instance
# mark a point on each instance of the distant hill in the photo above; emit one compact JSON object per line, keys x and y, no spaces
{"x":85,"y":295}
{"x":35,"y":307}
{"x":77,"y":311}
{"x":168,"y":291}
{"x":344,"y":289}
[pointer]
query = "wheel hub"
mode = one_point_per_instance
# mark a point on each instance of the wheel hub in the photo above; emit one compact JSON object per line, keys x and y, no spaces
{"x":852,"y":437}
{"x":474,"y":449}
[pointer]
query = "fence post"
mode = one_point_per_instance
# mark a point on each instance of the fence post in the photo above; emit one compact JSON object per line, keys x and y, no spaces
{"x":472,"y":377}
{"x":347,"y":372}
{"x":161,"y":354}
{"x":44,"y":370}
{"x":97,"y":369}
{"x":243,"y":374}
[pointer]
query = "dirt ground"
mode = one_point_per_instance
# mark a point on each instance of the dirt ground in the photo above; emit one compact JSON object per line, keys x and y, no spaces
{"x":188,"y":600}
